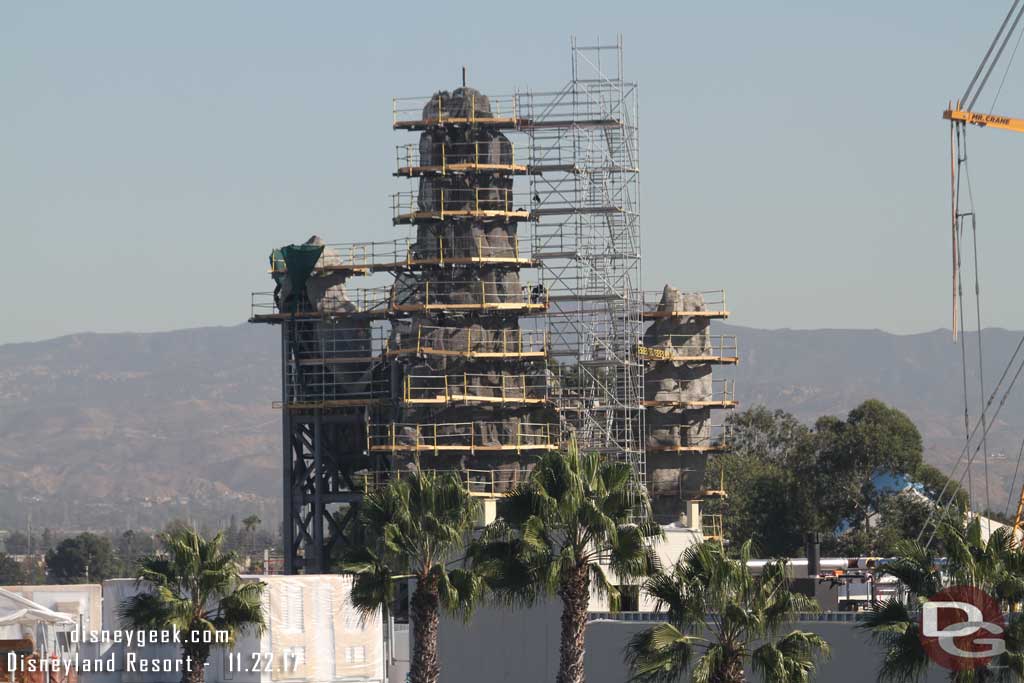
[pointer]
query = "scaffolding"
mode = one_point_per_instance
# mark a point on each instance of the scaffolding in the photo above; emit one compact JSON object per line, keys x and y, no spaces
{"x":720,"y":349}
{"x":485,"y":483}
{"x":454,"y":157}
{"x":458,"y":360}
{"x":696,"y":393}
{"x":363,"y":258}
{"x":471,"y":342}
{"x":584,"y":185}
{"x":695,"y":438}
{"x":476,"y":388}
{"x":464,"y":436}
{"x":712,"y":305}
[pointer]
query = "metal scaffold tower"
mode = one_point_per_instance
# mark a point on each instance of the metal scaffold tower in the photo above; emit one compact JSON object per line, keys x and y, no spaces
{"x":460,"y":364}
{"x":585,"y":173}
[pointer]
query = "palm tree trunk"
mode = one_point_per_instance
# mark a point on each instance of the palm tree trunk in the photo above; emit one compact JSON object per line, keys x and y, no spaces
{"x":424,"y":667}
{"x":193,"y":669}
{"x":575,"y":593}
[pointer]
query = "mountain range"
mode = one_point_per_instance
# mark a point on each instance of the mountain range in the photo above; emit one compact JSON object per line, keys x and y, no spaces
{"x":114,"y":431}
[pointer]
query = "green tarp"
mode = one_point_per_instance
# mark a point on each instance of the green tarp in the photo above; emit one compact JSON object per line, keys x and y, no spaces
{"x":299,"y":262}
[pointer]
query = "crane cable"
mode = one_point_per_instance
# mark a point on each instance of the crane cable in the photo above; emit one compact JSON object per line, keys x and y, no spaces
{"x":958,"y":301}
{"x":977,"y":424}
{"x":961,"y":170}
{"x":1013,"y":484}
{"x":977,"y":304}
{"x":970,"y":460}
{"x":991,"y":66}
{"x":958,"y":167}
{"x":1006,"y":72}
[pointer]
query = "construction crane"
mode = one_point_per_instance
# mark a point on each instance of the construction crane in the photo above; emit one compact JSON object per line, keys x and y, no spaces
{"x":960,"y":114}
{"x":974,"y":118}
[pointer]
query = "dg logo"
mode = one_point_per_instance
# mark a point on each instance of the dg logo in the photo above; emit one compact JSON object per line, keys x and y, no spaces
{"x":962,"y":628}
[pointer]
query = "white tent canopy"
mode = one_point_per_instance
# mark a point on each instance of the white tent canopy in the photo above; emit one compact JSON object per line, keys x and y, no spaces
{"x":19,"y":615}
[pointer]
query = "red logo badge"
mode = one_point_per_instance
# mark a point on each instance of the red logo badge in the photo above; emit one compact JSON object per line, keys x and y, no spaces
{"x":962,"y":628}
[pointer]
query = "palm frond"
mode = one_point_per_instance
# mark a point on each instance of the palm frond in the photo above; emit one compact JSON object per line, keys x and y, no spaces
{"x":660,"y":654}
{"x":790,"y":659}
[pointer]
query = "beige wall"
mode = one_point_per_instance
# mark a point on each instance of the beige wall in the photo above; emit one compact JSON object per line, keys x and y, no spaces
{"x":83,"y":601}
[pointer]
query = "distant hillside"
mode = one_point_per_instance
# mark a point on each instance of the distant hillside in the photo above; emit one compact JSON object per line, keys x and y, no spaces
{"x":117,"y":430}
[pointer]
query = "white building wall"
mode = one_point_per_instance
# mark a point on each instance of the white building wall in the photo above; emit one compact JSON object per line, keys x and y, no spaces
{"x":314,"y":635}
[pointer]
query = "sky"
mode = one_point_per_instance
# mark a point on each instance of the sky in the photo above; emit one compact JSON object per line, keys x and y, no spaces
{"x":792,"y":153}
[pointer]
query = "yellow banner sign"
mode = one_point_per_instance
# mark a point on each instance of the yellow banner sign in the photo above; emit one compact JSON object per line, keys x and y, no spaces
{"x":656,"y":354}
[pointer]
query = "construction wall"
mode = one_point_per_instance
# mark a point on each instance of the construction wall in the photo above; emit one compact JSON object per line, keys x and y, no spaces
{"x":504,"y":646}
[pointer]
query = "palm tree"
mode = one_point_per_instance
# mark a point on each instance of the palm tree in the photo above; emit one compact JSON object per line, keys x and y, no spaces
{"x":717,"y":612}
{"x":415,"y":527}
{"x":553,"y":533}
{"x":250,"y":523}
{"x":194,"y":587}
{"x":995,"y":566}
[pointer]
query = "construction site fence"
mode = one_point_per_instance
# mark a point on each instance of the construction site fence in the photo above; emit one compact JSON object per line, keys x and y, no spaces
{"x":468,"y":436}
{"x":409,"y":252}
{"x":468,"y":341}
{"x":439,"y":202}
{"x":669,"y":346}
{"x":440,"y":109}
{"x":468,"y":386}
{"x":709,"y":300}
{"x":477,"y":482}
{"x":498,"y":152}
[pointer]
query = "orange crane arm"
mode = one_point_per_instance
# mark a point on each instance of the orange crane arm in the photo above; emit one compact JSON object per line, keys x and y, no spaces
{"x":987,"y":120}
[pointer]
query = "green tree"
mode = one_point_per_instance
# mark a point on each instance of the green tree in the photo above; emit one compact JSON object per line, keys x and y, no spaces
{"x":17,"y":543}
{"x":553,"y":533}
{"x":785,"y":479}
{"x":194,"y":586}
{"x":874,"y":439}
{"x":415,"y":527}
{"x":763,"y":503}
{"x":996,"y":567}
{"x":131,"y":547}
{"x":11,"y":571}
{"x":717,"y":612}
{"x":768,"y":436}
{"x":86,"y":557}
{"x":898,"y":516}
{"x":770,"y":496}
{"x":250,"y":523}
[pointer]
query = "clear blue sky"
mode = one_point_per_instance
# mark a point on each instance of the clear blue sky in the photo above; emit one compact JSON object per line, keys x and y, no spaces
{"x":152,"y":153}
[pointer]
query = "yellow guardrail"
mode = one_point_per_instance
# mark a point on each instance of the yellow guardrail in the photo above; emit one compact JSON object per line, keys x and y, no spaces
{"x":467,"y":436}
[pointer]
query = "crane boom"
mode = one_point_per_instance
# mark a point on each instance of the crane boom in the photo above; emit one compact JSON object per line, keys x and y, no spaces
{"x":986,"y":120}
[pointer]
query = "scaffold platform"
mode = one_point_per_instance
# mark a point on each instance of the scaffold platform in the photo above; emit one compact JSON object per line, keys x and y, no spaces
{"x":515,"y":437}
{"x":716,"y":349}
{"x":443,"y":204}
{"x":476,"y":388}
{"x":712,"y":305}
{"x":468,"y":342}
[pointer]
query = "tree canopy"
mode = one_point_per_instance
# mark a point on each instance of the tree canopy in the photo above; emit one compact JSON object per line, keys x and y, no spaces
{"x":786,"y":479}
{"x":83,"y":557}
